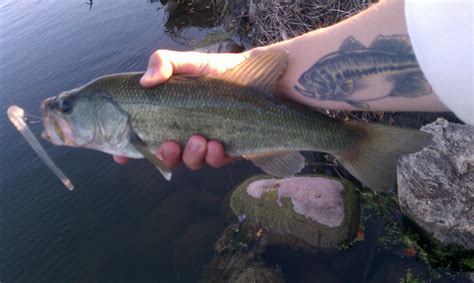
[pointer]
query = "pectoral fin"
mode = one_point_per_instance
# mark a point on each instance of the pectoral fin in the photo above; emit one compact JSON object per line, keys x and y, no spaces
{"x":143,"y":149}
{"x":344,"y":88}
{"x":278,"y":163}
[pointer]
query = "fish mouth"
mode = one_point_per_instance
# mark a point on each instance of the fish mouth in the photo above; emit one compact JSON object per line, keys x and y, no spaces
{"x":56,"y":130}
{"x":304,"y":91}
{"x":53,"y":133}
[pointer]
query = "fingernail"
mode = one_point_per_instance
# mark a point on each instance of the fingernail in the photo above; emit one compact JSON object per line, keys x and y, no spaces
{"x":194,"y":147}
{"x":159,"y":155}
{"x":150,"y":72}
{"x":167,"y":153}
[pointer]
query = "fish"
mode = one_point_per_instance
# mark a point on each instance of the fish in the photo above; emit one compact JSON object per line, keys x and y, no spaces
{"x":338,"y":75}
{"x":240,"y":108}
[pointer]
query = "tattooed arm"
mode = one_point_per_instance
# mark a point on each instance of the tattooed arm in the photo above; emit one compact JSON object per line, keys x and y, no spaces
{"x":363,"y":63}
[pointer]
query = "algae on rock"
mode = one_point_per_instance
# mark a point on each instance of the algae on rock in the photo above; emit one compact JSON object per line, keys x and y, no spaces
{"x":309,"y":211}
{"x":239,"y":258}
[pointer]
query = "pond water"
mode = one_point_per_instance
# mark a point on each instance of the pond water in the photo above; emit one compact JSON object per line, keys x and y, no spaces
{"x":122,"y":223}
{"x":119,"y":223}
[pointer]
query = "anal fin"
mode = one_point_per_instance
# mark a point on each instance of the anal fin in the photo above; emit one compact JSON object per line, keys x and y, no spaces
{"x":143,"y":149}
{"x":278,"y":163}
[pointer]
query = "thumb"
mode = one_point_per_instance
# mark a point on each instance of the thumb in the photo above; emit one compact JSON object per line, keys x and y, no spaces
{"x":159,"y":69}
{"x":164,"y":63}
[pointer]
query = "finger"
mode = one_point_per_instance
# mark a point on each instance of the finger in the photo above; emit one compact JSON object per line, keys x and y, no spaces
{"x":216,"y":156}
{"x":159,"y":69}
{"x":170,"y":153}
{"x":120,"y":159}
{"x":195,"y":152}
{"x":164,"y":63}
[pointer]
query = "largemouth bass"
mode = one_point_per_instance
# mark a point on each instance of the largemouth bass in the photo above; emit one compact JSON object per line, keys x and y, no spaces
{"x":337,"y":76}
{"x":116,"y":115}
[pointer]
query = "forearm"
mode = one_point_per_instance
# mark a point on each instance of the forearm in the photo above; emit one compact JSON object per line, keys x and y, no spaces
{"x":363,"y":63}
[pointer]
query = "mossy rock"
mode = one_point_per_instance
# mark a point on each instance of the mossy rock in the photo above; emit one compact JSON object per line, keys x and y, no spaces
{"x":436,"y":253}
{"x":276,"y":215}
{"x":258,"y":273}
{"x":238,"y":258}
{"x":403,"y":235}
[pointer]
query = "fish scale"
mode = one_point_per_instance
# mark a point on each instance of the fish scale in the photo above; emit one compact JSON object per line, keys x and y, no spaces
{"x":236,"y":115}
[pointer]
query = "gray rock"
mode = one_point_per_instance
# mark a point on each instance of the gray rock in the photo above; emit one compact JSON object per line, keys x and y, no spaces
{"x":436,"y":185}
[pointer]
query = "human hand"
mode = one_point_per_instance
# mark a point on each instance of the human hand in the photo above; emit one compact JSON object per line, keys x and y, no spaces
{"x":163,"y":64}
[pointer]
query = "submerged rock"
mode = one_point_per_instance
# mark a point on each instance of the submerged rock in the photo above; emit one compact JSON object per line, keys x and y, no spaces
{"x":228,"y":46}
{"x":309,"y":211}
{"x":436,"y":185}
{"x":257,"y":273}
{"x":194,"y":248}
{"x":239,"y":259}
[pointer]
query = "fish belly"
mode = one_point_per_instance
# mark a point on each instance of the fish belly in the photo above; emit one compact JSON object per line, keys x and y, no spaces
{"x":243,"y":131}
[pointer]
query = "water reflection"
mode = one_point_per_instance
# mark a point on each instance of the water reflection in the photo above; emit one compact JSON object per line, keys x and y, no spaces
{"x":110,"y":226}
{"x":90,"y":3}
{"x":188,"y":13}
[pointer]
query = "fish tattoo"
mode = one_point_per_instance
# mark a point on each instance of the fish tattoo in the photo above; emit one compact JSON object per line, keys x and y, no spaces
{"x":338,"y":75}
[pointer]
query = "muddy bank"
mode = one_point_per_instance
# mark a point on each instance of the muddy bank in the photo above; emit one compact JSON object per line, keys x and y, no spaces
{"x":261,"y":22}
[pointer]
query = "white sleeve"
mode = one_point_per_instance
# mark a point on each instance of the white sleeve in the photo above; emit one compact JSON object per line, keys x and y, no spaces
{"x":441,"y":35}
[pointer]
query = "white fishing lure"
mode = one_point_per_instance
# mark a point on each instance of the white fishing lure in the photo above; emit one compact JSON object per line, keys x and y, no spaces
{"x":16,"y":116}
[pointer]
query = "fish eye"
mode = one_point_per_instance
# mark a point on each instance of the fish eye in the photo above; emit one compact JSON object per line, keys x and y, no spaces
{"x":66,"y":106}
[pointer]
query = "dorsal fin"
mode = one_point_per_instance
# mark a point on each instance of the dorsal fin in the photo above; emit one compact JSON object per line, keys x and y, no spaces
{"x":351,"y":44}
{"x":394,"y":43}
{"x":260,"y":71}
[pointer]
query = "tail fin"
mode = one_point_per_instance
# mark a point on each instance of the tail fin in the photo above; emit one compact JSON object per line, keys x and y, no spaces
{"x":374,"y":160}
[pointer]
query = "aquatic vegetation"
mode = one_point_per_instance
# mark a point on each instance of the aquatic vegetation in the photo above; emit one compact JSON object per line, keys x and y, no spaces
{"x":184,"y":13}
{"x":469,"y":262}
{"x":238,"y":258}
{"x":402,"y":234}
{"x":213,"y":38}
{"x":410,"y":278}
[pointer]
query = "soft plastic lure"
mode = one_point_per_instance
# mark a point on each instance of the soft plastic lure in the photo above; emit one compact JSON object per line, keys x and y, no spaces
{"x":16,"y":116}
